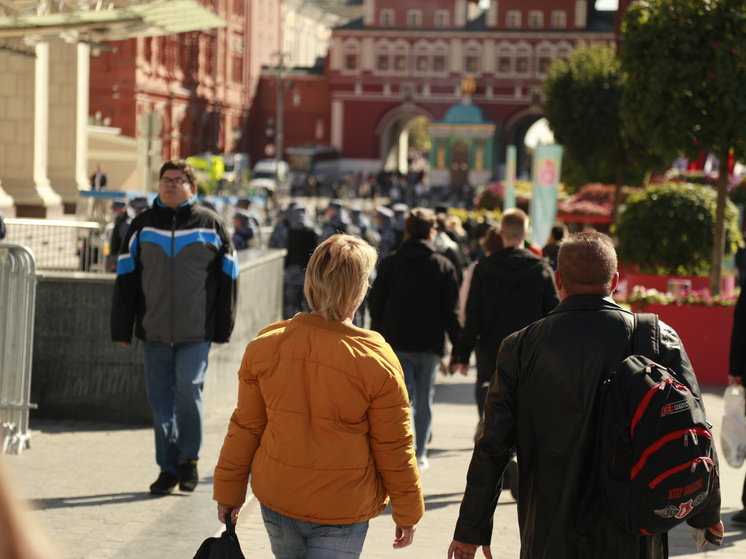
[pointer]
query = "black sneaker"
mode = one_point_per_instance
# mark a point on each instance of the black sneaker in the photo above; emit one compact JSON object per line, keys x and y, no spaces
{"x":165,"y":484}
{"x":188,"y":476}
{"x":739,"y":517}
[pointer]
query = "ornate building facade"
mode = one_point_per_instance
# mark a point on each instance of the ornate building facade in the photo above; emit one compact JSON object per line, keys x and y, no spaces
{"x":192,"y":90}
{"x":406,"y":60}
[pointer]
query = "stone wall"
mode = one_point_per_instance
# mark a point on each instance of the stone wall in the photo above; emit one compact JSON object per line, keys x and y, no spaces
{"x":79,"y":373}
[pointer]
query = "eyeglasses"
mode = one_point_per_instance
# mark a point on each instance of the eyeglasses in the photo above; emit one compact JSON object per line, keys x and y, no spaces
{"x":178,"y":181}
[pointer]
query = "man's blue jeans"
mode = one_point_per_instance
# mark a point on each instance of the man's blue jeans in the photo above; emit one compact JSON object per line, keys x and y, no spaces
{"x":174,"y":377}
{"x":419,"y":376}
{"x":297,"y":539}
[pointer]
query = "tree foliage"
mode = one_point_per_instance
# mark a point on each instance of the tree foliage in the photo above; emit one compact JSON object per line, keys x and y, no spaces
{"x":583,"y":106}
{"x":583,"y":98}
{"x":668,"y":229}
{"x":686,"y":67}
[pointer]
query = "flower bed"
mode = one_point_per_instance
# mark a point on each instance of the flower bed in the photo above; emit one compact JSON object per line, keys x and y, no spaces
{"x":703,"y":322}
{"x":659,"y":282}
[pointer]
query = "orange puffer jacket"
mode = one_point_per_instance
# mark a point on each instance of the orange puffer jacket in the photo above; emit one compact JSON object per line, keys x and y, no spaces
{"x":322,"y":425}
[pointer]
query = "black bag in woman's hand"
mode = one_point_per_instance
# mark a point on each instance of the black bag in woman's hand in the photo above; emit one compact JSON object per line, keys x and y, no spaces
{"x":224,"y":547}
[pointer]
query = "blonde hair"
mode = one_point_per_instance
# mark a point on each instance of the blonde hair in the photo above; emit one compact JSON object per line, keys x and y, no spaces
{"x":514,"y":225}
{"x":337,"y":276}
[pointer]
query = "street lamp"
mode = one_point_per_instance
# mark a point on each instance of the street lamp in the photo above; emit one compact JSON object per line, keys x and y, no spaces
{"x":237,"y":133}
{"x":281,"y":72}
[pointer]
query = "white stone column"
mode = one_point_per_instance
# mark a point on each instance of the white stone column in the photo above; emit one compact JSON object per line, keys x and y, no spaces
{"x":25,"y":136}
{"x":68,"y":114}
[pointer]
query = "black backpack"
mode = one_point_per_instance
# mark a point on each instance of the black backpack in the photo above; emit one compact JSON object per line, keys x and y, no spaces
{"x":654,"y":453}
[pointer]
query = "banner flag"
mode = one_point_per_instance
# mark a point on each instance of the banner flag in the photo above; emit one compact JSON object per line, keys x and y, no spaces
{"x":509,"y":200}
{"x":546,"y":173}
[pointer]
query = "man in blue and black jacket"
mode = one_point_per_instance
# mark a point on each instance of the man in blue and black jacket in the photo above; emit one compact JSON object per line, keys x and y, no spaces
{"x":176,"y":286}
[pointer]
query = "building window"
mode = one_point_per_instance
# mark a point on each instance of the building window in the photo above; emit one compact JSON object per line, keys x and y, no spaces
{"x":148,"y":49}
{"x":441,"y":18}
{"x":544,"y":56}
{"x":439,"y":63}
{"x":382,"y":62}
{"x":472,"y":63}
{"x":422,"y":63}
{"x":351,"y":56}
{"x":535,"y":19}
{"x":407,"y":91}
{"x":504,"y":61}
{"x":387,"y":18}
{"x":471,"y":59}
{"x":559,"y":19}
{"x":237,"y":62}
{"x":513,"y":19}
{"x":400,"y":62}
{"x":414,"y":18}
{"x":522,"y":61}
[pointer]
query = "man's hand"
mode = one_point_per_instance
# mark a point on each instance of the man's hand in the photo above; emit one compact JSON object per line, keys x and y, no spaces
{"x":734,"y":381}
{"x":404,"y":537}
{"x":459,"y":550}
{"x":223,"y":510}
{"x":455,"y":367}
{"x":123,"y":344}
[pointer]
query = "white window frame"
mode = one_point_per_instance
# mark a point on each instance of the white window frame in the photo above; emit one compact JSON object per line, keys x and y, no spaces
{"x":383,"y":50}
{"x":559,"y":19}
{"x":414,"y":18}
{"x":505,"y":51}
{"x":513,"y":19}
{"x":441,"y":18}
{"x":544,"y":52}
{"x":473,"y":50}
{"x":523,"y":51}
{"x":387,"y":18}
{"x":351,"y":48}
{"x":419,"y":52}
{"x":535,"y":19}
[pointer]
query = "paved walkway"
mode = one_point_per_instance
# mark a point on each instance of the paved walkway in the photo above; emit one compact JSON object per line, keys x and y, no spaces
{"x":88,"y":484}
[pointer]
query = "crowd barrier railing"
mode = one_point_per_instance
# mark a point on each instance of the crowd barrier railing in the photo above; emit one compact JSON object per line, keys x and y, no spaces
{"x":17,"y":308}
{"x":61,"y":245}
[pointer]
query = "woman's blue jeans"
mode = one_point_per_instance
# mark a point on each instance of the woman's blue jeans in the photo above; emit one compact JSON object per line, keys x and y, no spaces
{"x":174,"y":377}
{"x":419,"y":376}
{"x":298,"y":539}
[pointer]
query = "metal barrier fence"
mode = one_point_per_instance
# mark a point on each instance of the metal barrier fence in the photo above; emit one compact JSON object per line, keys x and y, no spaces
{"x":17,"y":306}
{"x":61,"y":245}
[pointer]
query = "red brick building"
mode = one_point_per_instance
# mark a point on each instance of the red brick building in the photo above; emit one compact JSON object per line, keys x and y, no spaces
{"x":199,"y":85}
{"x":406,"y":60}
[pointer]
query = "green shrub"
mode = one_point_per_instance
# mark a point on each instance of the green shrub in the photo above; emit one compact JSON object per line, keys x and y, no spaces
{"x":669,"y":228}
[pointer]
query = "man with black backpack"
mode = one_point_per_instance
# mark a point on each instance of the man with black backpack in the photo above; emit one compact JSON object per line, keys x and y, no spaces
{"x":546,"y":402}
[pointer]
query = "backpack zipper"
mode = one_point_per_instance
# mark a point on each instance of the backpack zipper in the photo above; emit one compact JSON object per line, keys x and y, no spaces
{"x":708,"y":463}
{"x":642,"y":408}
{"x":657,"y":445}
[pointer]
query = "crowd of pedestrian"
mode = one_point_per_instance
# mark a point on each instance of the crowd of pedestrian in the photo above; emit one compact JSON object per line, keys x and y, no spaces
{"x":334,"y":419}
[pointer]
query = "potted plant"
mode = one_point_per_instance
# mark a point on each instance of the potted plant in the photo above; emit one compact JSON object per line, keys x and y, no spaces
{"x":666,"y":232}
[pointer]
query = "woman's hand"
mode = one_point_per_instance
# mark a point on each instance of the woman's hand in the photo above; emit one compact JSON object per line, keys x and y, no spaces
{"x":734,"y":381}
{"x":404,"y":537}
{"x":223,"y":510}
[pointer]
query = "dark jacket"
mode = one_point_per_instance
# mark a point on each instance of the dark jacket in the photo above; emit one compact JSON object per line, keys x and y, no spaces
{"x":542,"y":401}
{"x":176,"y":278}
{"x":509,"y":290}
{"x":414,"y":299}
{"x":737,"y":362}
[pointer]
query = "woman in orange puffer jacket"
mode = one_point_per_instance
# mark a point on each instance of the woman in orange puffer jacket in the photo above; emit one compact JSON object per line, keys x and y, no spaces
{"x":322,"y":423}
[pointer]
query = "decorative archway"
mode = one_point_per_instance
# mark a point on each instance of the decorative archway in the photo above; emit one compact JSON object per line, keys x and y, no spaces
{"x":515,"y":134}
{"x":393,"y":129}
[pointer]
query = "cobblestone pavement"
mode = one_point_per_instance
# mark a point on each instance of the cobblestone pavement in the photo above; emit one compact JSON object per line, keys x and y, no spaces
{"x":88,"y":485}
